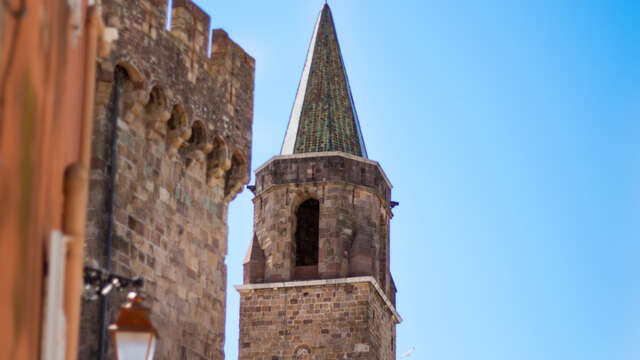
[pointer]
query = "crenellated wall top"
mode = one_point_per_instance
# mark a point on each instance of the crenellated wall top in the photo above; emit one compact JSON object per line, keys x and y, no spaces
{"x":192,"y":97}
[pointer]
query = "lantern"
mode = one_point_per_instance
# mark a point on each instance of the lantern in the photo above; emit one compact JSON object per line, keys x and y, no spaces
{"x":133,"y":334}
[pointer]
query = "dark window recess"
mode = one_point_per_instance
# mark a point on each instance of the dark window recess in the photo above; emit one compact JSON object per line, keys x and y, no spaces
{"x":307,"y":229}
{"x":197,"y":134}
{"x":178,"y":118}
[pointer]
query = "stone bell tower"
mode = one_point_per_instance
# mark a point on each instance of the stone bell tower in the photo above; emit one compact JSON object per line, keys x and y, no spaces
{"x":316,"y":277}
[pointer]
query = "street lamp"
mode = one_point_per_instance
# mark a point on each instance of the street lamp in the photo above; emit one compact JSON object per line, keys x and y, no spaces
{"x":133,"y":334}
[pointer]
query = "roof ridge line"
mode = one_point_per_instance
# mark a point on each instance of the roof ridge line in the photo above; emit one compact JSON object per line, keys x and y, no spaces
{"x":292,"y":128}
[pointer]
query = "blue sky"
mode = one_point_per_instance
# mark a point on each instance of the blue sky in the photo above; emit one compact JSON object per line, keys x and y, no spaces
{"x":510,"y":131}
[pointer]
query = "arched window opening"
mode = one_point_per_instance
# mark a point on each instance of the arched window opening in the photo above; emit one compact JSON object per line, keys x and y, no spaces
{"x":178,"y":118}
{"x":307,"y":233}
{"x":157,"y":100}
{"x":197,"y":134}
{"x":194,"y":145}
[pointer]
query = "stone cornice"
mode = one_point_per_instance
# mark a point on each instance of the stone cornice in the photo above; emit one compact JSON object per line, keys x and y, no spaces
{"x":351,"y":280}
{"x":327,"y":154}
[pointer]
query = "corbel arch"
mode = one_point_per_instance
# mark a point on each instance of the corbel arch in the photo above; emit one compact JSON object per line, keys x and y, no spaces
{"x":218,"y":160}
{"x":133,"y":95}
{"x":195,"y":146}
{"x":236,"y":176}
{"x":178,"y":130}
{"x":156,"y":110}
{"x":135,"y":76}
{"x":198,"y":138}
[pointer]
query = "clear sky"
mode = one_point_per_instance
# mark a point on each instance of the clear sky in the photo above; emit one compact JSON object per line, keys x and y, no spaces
{"x":511,"y":133}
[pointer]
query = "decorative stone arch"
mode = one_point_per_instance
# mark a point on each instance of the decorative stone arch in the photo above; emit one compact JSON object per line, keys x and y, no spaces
{"x":218,"y":160}
{"x":195,"y":146}
{"x":156,"y":110}
{"x":178,"y":130}
{"x":198,"y":136}
{"x":237,"y":176}
{"x":301,"y":197}
{"x":132,"y":71}
{"x":133,"y":96}
{"x":178,"y":118}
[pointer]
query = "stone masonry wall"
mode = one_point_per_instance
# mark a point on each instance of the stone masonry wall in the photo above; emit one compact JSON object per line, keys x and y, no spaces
{"x":325,"y":322}
{"x":183,"y":152}
{"x":354,"y":218}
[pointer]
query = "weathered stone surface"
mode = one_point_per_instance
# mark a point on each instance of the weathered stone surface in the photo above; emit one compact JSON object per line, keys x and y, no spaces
{"x":355,"y":211}
{"x":183,"y":152}
{"x":331,"y":321}
{"x":317,"y":283}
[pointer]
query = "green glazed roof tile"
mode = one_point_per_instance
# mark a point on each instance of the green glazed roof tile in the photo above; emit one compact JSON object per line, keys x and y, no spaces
{"x":324,"y":117}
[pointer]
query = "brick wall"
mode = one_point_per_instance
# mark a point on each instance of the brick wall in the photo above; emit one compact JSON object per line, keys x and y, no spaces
{"x":184,"y":150}
{"x":323,"y":321}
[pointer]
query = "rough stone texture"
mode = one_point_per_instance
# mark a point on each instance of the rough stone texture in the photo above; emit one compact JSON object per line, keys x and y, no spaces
{"x":321,"y":226}
{"x":326,"y":166}
{"x":324,"y":321}
{"x":184,"y":145}
{"x":354,"y":197}
{"x":341,"y":321}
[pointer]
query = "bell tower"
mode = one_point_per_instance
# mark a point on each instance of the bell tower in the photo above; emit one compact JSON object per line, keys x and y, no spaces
{"x":316,"y":276}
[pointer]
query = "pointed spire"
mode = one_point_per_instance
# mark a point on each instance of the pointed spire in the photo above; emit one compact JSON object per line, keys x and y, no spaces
{"x":324,"y":116}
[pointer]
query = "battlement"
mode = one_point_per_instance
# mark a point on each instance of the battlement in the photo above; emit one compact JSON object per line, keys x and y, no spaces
{"x":189,"y":28}
{"x":180,"y":91}
{"x":183,"y":147}
{"x":190,"y":24}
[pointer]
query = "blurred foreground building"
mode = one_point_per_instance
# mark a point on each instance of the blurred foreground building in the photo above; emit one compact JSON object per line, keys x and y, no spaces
{"x":47,"y":76}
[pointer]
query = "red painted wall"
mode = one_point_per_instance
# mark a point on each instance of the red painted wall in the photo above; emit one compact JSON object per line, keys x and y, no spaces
{"x":41,"y":93}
